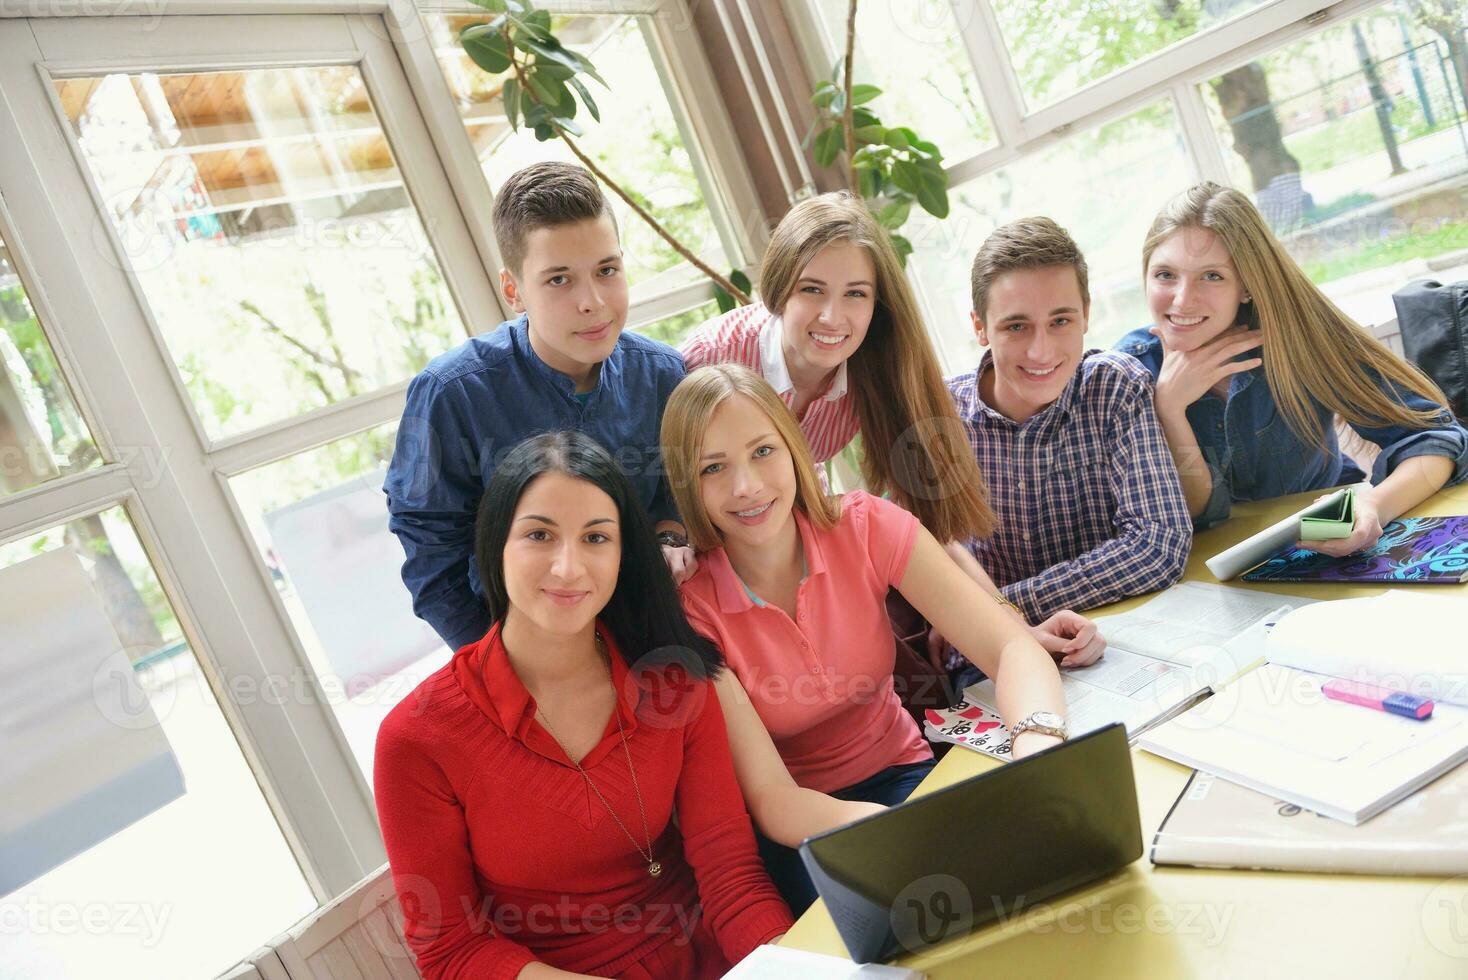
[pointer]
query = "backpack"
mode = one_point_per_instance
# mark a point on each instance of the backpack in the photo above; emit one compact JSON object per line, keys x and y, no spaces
{"x":1433,"y":318}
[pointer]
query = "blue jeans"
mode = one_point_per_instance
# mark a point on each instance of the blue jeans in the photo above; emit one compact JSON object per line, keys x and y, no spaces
{"x":888,"y":787}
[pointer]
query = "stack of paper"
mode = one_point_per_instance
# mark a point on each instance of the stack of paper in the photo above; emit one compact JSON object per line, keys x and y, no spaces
{"x":1273,"y":730}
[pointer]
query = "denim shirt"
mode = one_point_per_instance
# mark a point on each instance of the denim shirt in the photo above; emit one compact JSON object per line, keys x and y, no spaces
{"x":464,"y":414}
{"x":1252,"y":453}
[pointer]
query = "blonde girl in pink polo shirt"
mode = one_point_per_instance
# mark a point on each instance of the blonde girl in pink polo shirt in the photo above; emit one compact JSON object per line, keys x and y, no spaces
{"x":791,"y":585}
{"x":840,"y":338}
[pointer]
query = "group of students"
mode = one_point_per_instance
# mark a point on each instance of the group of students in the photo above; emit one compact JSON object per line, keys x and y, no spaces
{"x":674,"y":658}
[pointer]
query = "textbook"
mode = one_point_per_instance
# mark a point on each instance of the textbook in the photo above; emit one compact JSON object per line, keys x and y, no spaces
{"x":780,"y":962}
{"x":1160,"y":659}
{"x":1251,"y":551}
{"x":1411,"y":551}
{"x":1273,"y":731}
{"x":1218,"y":824}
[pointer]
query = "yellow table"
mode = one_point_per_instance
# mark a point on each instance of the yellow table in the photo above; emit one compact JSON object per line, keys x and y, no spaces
{"x":1184,"y":922}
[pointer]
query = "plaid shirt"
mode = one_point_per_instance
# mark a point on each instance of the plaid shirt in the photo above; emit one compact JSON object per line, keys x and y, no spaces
{"x":1090,"y":507}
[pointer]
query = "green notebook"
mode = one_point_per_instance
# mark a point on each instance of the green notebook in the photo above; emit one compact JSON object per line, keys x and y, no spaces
{"x":1335,"y":519}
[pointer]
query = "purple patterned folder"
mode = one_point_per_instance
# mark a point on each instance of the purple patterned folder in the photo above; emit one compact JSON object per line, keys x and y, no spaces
{"x":1428,"y":550}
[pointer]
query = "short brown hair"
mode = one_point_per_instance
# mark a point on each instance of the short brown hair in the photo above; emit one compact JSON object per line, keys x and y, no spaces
{"x":543,"y":195}
{"x":1029,"y":243}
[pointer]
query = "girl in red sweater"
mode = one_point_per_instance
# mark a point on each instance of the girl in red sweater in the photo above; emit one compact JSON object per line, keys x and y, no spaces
{"x":559,"y":800}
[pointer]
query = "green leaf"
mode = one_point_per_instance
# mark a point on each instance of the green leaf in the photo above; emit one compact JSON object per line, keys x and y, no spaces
{"x":829,"y":145}
{"x":869,"y":183}
{"x":864,"y":117}
{"x":905,"y":176}
{"x":861,"y":94}
{"x":510,"y":96}
{"x":870,"y":134}
{"x":902,"y":247}
{"x":824,"y":93}
{"x":493,"y":6}
{"x":582,"y":91}
{"x":584,"y":65}
{"x":551,"y":92}
{"x":738,"y":278}
{"x":895,"y":213}
{"x":530,"y":25}
{"x":545,"y":132}
{"x":932,"y":189}
{"x":556,"y":70}
{"x":486,"y":48}
{"x":927,"y":148}
{"x":896,"y":138}
{"x":575,"y":129}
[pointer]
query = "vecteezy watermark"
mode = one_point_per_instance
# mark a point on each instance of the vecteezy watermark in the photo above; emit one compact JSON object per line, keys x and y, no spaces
{"x":33,"y":916}
{"x":935,"y":908}
{"x":1444,"y":917}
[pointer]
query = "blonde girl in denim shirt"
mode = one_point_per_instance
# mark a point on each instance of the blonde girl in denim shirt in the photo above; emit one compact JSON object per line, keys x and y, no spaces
{"x":1253,"y":363}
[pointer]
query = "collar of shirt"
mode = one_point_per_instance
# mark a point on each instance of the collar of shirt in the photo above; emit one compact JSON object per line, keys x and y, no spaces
{"x":774,"y":368}
{"x":733,"y":596}
{"x":485,"y":673}
{"x":1043,"y":422}
{"x":610,"y":368}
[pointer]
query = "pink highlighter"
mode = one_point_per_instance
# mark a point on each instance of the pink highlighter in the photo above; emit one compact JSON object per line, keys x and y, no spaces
{"x":1380,"y":698}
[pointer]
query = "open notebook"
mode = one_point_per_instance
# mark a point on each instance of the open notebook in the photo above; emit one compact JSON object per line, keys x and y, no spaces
{"x":1273,"y":731}
{"x":1160,"y":658}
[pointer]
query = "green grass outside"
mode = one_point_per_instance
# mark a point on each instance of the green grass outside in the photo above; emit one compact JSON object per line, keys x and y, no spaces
{"x":1404,"y":248}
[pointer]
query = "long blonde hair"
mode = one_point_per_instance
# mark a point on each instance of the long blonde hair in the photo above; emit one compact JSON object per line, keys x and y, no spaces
{"x":914,"y":446}
{"x":1313,"y":353}
{"x":685,"y":420}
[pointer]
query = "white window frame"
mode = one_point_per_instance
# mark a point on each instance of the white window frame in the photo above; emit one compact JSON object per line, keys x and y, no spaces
{"x":186,"y":517}
{"x":1173,"y":73}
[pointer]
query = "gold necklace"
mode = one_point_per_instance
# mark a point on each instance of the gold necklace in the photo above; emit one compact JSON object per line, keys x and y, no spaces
{"x":654,"y":867}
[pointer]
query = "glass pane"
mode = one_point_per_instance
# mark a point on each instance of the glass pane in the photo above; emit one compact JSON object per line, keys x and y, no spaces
{"x":1073,"y":182}
{"x":914,"y":52}
{"x":638,"y":141}
{"x":42,"y":435}
{"x":268,"y":224}
{"x":319,"y":519}
{"x":1096,"y":39}
{"x":671,"y":330}
{"x":1353,"y":145}
{"x":109,"y":727}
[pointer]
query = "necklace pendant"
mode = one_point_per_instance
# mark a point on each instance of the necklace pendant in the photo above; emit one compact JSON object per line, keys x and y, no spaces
{"x":655,"y":868}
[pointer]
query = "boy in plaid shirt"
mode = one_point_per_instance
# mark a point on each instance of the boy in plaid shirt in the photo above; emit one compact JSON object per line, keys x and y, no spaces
{"x":1089,"y":503}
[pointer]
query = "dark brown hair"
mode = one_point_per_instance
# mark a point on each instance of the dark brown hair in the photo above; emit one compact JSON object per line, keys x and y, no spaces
{"x":1028,"y":243}
{"x":543,"y":195}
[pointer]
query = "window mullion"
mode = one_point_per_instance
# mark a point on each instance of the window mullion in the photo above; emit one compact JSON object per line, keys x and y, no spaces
{"x":1000,"y":87}
{"x":1202,"y":142}
{"x":410,"y":38}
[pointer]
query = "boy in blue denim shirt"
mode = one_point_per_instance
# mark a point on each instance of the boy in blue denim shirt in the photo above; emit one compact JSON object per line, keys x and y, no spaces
{"x":564,"y":363}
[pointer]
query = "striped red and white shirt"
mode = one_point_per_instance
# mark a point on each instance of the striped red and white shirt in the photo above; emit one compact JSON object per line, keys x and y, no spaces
{"x":750,"y":335}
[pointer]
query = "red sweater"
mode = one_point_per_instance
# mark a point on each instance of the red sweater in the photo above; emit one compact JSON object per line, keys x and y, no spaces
{"x":502,"y":855}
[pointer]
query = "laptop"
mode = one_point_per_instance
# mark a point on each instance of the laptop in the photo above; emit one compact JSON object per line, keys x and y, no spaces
{"x":934,"y":868}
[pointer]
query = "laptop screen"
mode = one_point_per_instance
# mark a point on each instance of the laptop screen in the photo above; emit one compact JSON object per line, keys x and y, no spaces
{"x":935,"y":867}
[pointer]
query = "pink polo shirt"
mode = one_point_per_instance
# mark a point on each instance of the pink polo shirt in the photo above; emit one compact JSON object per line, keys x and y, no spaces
{"x":822,"y":683}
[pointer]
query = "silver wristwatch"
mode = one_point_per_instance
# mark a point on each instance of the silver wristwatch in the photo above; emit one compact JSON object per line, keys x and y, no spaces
{"x":1044,"y":722}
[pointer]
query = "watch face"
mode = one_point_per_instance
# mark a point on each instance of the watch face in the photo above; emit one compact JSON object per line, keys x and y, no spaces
{"x":1047,"y":719}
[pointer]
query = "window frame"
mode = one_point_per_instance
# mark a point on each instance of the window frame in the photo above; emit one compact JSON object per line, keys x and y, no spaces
{"x":186,"y":516}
